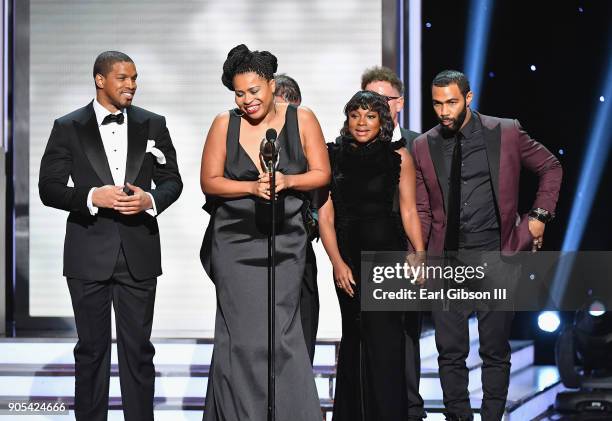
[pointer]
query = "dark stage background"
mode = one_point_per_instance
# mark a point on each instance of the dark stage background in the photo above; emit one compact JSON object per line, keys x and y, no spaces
{"x":569,"y":43}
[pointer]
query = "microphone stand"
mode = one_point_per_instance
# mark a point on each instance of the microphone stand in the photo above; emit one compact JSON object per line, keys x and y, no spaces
{"x":270,"y":167}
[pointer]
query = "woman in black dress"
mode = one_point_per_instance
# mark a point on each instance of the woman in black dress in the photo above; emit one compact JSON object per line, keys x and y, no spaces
{"x":235,"y":247}
{"x":368,"y":170}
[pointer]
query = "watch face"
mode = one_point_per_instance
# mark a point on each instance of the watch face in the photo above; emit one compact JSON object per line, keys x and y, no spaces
{"x":539,"y":215}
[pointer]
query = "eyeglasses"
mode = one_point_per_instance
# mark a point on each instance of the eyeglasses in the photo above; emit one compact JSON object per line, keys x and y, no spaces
{"x":391,"y":98}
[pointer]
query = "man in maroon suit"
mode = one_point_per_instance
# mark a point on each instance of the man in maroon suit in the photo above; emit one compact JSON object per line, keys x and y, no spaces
{"x":468,"y":169}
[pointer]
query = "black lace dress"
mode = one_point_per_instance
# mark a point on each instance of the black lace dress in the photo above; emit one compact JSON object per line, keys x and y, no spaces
{"x":371,"y":383}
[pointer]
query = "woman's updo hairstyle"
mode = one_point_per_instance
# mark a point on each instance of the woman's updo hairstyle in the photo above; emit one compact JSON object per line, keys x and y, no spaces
{"x":242,"y":60}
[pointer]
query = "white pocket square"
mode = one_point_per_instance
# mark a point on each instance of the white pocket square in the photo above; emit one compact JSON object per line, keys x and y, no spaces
{"x":159,"y":155}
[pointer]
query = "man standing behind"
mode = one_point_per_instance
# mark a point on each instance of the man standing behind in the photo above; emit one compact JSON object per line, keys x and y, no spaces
{"x":385,"y":82}
{"x":113,"y":151}
{"x":467,"y":171}
{"x":288,"y":91}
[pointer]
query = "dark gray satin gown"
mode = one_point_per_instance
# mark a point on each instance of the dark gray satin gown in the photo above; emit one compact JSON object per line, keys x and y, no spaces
{"x":235,"y":255}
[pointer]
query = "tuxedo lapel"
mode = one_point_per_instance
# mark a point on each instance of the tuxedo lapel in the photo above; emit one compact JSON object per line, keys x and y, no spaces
{"x":137,"y":145}
{"x":492,"y":140}
{"x":437,"y":156}
{"x":89,"y":135}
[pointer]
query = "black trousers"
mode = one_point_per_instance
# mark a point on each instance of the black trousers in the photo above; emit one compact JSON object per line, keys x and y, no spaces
{"x":413,"y":322}
{"x":452,"y":341}
{"x":309,"y":302}
{"x":133,"y":301}
{"x":453,"y":344}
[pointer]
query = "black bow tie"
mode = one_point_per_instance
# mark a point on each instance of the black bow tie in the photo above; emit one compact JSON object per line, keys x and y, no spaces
{"x":113,"y":118}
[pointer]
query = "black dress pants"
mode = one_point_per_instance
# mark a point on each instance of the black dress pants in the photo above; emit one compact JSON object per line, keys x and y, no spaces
{"x":413,"y":321}
{"x":133,"y":301}
{"x":453,"y":343}
{"x":309,"y":302}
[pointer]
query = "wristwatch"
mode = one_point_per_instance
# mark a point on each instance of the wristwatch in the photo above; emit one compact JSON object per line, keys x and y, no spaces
{"x":541,"y":215}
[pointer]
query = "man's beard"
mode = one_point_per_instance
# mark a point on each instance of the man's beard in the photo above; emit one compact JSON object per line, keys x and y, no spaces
{"x":449,"y":131}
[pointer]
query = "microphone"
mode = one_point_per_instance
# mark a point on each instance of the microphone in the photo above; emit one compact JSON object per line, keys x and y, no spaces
{"x":269,"y":149}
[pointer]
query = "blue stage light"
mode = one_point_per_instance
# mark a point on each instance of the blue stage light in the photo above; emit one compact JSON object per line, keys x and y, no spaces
{"x":549,"y":321}
{"x":596,"y":155}
{"x":414,"y":56}
{"x":561,"y":152}
{"x":428,"y":25}
{"x":491,"y":74}
{"x":598,"y":147}
{"x":477,"y":39}
{"x":533,"y":68}
{"x":602,"y":98}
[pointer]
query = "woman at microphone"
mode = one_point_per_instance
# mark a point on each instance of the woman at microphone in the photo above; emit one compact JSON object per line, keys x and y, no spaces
{"x":235,"y":248}
{"x":372,"y":207}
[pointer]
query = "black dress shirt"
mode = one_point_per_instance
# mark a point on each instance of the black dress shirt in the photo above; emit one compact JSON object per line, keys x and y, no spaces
{"x":478,"y":207}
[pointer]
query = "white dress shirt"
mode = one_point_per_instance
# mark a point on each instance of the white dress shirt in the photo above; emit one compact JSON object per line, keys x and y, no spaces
{"x":397,"y":133}
{"x":115,"y":140}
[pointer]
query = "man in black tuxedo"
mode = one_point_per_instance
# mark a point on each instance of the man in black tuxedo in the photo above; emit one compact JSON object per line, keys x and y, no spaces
{"x":113,"y":151}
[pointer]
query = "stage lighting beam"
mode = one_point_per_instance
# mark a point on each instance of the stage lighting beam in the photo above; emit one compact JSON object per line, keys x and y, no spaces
{"x":598,"y":148}
{"x":414,"y":64}
{"x":476,"y":44}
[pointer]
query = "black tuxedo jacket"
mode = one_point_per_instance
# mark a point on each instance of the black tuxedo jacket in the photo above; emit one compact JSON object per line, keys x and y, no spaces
{"x":92,"y":243}
{"x":409,"y":136}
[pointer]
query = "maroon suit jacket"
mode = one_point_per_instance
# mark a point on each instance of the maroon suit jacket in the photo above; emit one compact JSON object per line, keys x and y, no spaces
{"x":509,"y":148}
